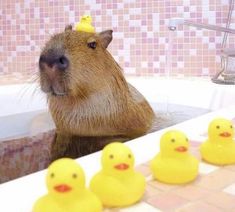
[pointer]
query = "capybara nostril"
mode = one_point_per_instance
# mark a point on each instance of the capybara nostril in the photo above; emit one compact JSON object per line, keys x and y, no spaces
{"x":60,"y":62}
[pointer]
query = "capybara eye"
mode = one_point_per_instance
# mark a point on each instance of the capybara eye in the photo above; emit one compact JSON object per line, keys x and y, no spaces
{"x":111,"y":156}
{"x":52,"y":175}
{"x":92,"y":45}
{"x":172,"y":140}
{"x":74,"y":175}
{"x":217,"y":126}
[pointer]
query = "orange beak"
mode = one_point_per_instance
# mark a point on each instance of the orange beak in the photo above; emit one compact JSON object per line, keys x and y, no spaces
{"x":62,"y":188}
{"x":225,"y":134}
{"x":121,"y":166}
{"x":181,"y":149}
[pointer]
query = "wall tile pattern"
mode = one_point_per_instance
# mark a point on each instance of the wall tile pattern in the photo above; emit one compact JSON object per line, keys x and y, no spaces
{"x":141,"y":37}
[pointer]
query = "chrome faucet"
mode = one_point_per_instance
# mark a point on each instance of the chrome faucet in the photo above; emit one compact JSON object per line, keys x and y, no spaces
{"x":227,"y":57}
{"x":174,"y":22}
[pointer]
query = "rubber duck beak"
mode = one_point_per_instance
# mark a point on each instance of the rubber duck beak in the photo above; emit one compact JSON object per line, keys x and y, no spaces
{"x":62,"y":188}
{"x":121,"y":166}
{"x":181,"y":149}
{"x":225,"y":134}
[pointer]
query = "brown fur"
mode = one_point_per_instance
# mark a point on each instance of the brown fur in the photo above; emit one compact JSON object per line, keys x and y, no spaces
{"x":97,"y":105}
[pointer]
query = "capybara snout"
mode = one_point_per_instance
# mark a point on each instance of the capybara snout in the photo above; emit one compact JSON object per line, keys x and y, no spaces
{"x":52,"y":59}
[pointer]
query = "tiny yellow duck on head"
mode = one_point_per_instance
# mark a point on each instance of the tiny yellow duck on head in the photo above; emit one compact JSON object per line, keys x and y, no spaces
{"x":85,"y":24}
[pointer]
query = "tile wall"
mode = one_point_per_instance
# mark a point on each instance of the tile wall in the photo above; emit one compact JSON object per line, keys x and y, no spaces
{"x":141,"y":37}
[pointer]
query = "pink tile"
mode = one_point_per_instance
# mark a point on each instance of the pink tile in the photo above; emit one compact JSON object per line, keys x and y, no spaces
{"x":151,"y":191}
{"x":199,"y":206}
{"x":222,"y":200}
{"x":192,"y":193}
{"x":59,"y":16}
{"x":230,"y":167}
{"x":167,"y":202}
{"x":217,"y":180}
{"x":162,"y":186}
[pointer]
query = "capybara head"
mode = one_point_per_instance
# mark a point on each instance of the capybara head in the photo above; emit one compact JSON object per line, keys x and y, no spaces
{"x":76,"y":63}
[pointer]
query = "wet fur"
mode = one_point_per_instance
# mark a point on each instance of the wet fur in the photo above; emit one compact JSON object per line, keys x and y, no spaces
{"x":99,"y":106}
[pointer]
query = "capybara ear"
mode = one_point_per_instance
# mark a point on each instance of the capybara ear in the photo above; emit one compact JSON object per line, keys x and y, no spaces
{"x":69,"y":27}
{"x":106,"y":37}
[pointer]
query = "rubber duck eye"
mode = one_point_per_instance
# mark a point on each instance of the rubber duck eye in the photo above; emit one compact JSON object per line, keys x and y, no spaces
{"x":172,"y":140}
{"x":74,"y":176}
{"x":231,"y":126}
{"x":217,"y":126}
{"x":186,"y":139}
{"x":52,"y":175}
{"x":111,"y":156}
{"x":129,"y":156}
{"x":92,"y":45}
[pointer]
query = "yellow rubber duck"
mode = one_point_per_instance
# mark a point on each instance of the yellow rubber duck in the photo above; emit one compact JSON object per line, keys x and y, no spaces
{"x":85,"y":24}
{"x":118,"y":184}
{"x":174,"y":164}
{"x":219,"y":148}
{"x":66,"y":190}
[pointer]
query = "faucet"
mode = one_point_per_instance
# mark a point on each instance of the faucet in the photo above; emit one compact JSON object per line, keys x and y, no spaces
{"x":227,"y":61}
{"x":174,"y":22}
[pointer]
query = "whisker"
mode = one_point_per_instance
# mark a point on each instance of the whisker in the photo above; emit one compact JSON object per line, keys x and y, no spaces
{"x":32,"y":86}
{"x":25,"y":90}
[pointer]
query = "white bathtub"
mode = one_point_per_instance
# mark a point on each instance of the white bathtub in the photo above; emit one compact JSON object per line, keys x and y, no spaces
{"x":194,"y":92}
{"x":22,"y":104}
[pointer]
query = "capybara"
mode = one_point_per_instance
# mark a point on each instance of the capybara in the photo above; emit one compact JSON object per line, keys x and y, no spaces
{"x":89,"y":99}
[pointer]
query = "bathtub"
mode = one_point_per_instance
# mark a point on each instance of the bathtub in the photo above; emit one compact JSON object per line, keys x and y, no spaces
{"x":26,"y":128}
{"x":26,"y":125}
{"x":22,"y":104}
{"x":193,"y":92}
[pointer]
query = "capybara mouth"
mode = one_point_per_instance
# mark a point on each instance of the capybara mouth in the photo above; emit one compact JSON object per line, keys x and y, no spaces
{"x":57,"y":90}
{"x":63,"y":188}
{"x":121,"y":166}
{"x":53,"y":90}
{"x":225,"y":134}
{"x":181,"y":149}
{"x":57,"y":93}
{"x":53,"y":83}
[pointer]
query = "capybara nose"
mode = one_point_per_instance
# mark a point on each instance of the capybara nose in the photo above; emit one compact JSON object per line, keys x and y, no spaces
{"x":59,"y":61}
